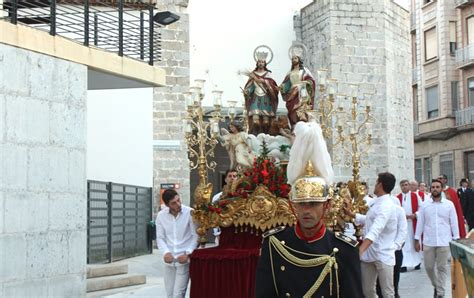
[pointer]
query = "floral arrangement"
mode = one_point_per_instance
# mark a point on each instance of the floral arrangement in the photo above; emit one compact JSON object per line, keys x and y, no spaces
{"x":263,"y":172}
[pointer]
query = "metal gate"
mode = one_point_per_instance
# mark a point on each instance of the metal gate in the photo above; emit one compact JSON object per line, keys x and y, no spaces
{"x":118,"y":217}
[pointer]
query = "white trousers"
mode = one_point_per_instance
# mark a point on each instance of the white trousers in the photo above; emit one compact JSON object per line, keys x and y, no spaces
{"x":176,"y":277}
{"x":370,"y":272}
{"x":436,"y":266}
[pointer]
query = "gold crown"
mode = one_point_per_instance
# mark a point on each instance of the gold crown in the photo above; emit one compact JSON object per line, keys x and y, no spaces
{"x":309,"y":188}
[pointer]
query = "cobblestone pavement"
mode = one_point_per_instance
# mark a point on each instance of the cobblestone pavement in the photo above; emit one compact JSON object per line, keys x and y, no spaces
{"x":413,"y":284}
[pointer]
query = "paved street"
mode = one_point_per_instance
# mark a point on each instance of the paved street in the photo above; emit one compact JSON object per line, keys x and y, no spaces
{"x":413,"y":284}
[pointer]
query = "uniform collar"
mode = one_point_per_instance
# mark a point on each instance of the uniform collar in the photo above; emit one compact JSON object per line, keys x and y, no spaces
{"x":317,"y":236}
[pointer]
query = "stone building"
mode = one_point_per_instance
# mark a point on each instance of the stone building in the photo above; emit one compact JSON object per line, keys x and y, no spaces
{"x":367,"y":43}
{"x":442,"y":34}
{"x":171,"y":164}
{"x":44,"y":80}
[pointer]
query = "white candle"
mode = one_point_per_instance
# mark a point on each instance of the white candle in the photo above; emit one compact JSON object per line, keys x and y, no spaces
{"x":217,"y":95}
{"x":322,"y":74}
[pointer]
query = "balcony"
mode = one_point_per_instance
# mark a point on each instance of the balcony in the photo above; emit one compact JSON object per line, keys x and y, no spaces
{"x":465,"y":56}
{"x":465,"y":117}
{"x":463,"y":3}
{"x":124,"y":27}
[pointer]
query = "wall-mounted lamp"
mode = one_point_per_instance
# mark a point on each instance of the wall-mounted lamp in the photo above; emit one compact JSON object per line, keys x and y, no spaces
{"x":165,"y":18}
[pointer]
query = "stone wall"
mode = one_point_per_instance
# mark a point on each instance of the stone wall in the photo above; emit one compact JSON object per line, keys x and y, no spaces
{"x":169,"y":108}
{"x":367,"y":43}
{"x":42,"y":175}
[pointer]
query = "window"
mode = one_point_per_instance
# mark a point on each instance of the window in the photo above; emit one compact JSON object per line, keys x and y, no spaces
{"x":454,"y":95}
{"x":432,"y":101}
{"x":470,"y":165}
{"x":427,"y":170}
{"x":470,"y":30}
{"x":423,"y":170}
{"x":452,"y":38}
{"x":427,"y":1}
{"x":470,"y":91}
{"x":413,"y":51}
{"x":431,"y":44}
{"x":415,"y":104}
{"x":446,"y":167}
{"x":418,"y":170}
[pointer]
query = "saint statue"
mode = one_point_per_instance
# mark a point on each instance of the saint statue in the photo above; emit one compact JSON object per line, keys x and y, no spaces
{"x":299,"y":86}
{"x":261,"y":93}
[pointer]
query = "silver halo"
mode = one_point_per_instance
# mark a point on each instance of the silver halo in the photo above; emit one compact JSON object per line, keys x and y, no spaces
{"x":297,"y":49}
{"x":264,"y":47}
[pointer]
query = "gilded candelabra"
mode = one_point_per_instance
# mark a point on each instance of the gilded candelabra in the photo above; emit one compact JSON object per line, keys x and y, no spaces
{"x":354,"y":139}
{"x":325,"y":108}
{"x":201,"y":138}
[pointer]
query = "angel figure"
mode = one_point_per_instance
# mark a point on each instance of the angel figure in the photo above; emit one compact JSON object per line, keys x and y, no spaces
{"x":235,"y":142}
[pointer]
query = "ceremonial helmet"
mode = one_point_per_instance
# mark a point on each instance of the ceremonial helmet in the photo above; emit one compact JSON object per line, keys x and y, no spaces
{"x":309,"y":169}
{"x":309,"y":188}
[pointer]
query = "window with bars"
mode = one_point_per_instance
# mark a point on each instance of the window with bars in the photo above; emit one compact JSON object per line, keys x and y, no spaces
{"x":446,"y":167}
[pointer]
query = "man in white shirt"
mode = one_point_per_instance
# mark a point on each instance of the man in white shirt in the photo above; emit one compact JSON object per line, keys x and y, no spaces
{"x":377,"y":251}
{"x":230,"y":177}
{"x":176,"y":236}
{"x":437,"y":221}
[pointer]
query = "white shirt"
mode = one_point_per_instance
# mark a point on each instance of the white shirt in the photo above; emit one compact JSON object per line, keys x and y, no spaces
{"x":176,"y":235}
{"x":401,"y":224}
{"x":381,"y":228}
{"x":438,"y":223}
{"x":216,"y":197}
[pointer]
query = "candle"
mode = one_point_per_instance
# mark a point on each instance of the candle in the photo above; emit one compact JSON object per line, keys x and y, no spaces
{"x":188,"y":99}
{"x":196,"y":95}
{"x":354,"y":89}
{"x":332,"y":86}
{"x":217,"y":95}
{"x":199,"y":83}
{"x":322,"y":74}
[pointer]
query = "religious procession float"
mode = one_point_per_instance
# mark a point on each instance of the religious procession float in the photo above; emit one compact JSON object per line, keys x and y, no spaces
{"x":270,"y":153}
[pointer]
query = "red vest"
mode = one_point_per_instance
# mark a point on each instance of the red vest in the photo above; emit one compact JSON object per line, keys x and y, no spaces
{"x":414,"y":205}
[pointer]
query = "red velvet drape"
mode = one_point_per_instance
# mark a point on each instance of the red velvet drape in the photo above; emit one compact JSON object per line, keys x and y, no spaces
{"x":227,"y":270}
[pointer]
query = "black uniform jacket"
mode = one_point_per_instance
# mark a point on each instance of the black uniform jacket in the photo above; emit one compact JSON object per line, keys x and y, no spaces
{"x":295,"y":281}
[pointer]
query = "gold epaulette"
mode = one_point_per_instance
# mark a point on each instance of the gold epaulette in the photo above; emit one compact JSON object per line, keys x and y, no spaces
{"x":346,"y":239}
{"x":273,"y":231}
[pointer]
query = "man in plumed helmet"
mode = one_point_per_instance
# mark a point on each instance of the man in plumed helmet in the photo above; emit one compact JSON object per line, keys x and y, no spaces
{"x":307,"y":260}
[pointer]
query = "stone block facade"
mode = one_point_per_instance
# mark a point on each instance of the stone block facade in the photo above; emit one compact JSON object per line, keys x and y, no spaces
{"x":367,"y":43}
{"x":43,"y":200}
{"x":169,"y":107}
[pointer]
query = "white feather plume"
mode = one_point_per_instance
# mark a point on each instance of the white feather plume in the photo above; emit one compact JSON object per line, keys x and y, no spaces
{"x":309,"y":144}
